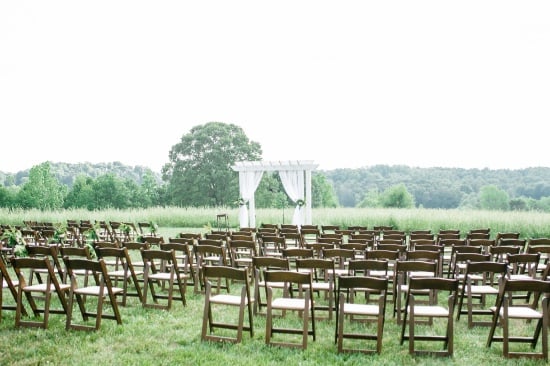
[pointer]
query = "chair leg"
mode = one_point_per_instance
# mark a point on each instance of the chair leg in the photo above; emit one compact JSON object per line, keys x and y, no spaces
{"x":505,"y":331}
{"x":269,"y":317}
{"x":305,"y":316}
{"x":206,"y":315}
{"x":241,"y":322}
{"x":411,"y":324}
{"x":340,"y":337}
{"x":545,"y":325}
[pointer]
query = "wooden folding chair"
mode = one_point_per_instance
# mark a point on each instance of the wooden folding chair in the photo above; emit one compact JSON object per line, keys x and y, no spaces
{"x":52,"y":253}
{"x":480,"y":281}
{"x":102,"y":290}
{"x":284,"y":302}
{"x":347,"y":306}
{"x":504,"y":312}
{"x":260,"y":265}
{"x":404,"y":272}
{"x":50,"y":285}
{"x":11,"y":285}
{"x":323,"y":281}
{"x":215,"y":299}
{"x":168,"y":274}
{"x":123,"y":270}
{"x":206,"y":254}
{"x":432,"y":310}
{"x":184,"y":255}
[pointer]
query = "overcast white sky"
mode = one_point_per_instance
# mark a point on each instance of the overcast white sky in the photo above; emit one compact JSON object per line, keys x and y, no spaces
{"x":343,"y":83}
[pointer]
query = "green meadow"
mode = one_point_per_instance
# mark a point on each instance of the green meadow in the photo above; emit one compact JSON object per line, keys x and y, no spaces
{"x":158,"y":337}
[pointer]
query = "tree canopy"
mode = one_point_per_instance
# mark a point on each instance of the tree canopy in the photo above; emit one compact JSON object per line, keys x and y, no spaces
{"x":199,"y":172}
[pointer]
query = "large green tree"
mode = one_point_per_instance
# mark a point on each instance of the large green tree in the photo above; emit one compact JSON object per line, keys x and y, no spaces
{"x":397,"y":197}
{"x":199,"y":172}
{"x":493,"y":198}
{"x":43,"y":190}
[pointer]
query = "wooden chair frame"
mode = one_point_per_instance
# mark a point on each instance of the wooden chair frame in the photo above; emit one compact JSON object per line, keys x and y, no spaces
{"x":49,"y":286}
{"x":323,"y":280}
{"x":346,"y":306}
{"x":480,"y":280}
{"x":213,"y":298}
{"x":404,"y":272}
{"x":432,"y":310}
{"x":11,"y":285}
{"x":504,"y":311}
{"x":168,"y":274}
{"x":123,"y":270}
{"x":103,"y":289}
{"x":184,"y":254}
{"x":303,"y":305}
{"x":260,"y":265}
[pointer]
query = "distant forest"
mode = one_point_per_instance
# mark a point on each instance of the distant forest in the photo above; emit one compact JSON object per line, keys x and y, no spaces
{"x":431,"y":187}
{"x":438,"y":187}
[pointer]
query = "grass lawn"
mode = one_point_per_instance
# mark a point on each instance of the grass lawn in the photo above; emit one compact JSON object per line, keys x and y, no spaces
{"x":157,"y":337}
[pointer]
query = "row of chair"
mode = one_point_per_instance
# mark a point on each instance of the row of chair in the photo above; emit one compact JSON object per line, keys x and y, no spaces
{"x":40,"y":276}
{"x":293,"y":290}
{"x":301,"y":265}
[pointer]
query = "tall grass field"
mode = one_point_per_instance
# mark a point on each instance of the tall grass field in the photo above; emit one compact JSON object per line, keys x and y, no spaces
{"x":159,"y":337}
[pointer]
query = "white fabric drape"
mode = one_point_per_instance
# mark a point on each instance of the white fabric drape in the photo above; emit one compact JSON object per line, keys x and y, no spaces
{"x":293,"y":182}
{"x":249,"y":181}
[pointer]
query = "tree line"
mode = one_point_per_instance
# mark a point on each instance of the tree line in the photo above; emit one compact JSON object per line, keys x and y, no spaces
{"x":199,"y":174}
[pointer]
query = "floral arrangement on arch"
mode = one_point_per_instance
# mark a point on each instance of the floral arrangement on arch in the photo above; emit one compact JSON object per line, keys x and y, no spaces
{"x":300,"y":202}
{"x":241,"y":201}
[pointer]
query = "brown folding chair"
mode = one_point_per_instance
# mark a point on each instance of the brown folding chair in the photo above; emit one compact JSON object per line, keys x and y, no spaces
{"x":347,"y":306}
{"x":260,"y":265}
{"x":323,"y":281}
{"x":50,"y":286}
{"x":184,"y":254}
{"x":168,"y":277}
{"x":123,"y":270}
{"x":432,"y":310}
{"x":284,"y":302}
{"x":504,"y":313}
{"x":403,"y":273}
{"x":480,"y":281}
{"x":11,"y":285}
{"x":102,"y":290}
{"x":215,"y":300}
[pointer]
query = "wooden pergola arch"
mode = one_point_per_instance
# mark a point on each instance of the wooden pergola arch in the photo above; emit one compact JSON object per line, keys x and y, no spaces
{"x":296,"y":178}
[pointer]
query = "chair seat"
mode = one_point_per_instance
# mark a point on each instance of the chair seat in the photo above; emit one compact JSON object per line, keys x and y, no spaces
{"x":376,"y":273}
{"x":228,"y":299}
{"x":95,"y":290}
{"x":166,"y":276}
{"x":361,"y":309}
{"x":521,"y":277}
{"x":5,"y":284}
{"x":288,"y":304}
{"x":271,"y":284}
{"x":120,"y":273}
{"x":321,"y":286}
{"x":421,"y":274}
{"x":484,"y":290}
{"x":435,"y":311}
{"x":519,"y":312}
{"x":43,"y":287}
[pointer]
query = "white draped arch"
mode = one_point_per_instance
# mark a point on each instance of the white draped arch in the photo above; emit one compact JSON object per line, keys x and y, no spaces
{"x":295,"y":176}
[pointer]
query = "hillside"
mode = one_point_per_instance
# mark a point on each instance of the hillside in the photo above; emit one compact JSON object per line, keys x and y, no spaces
{"x":66,"y":173}
{"x":431,"y":187}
